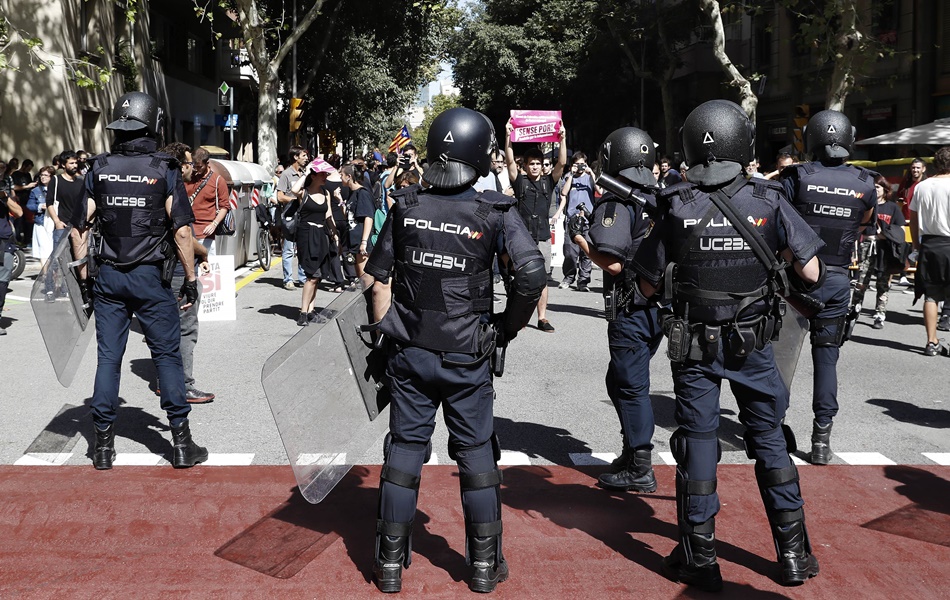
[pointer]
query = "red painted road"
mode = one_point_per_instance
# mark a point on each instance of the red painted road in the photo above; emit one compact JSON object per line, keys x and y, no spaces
{"x":244,"y":532}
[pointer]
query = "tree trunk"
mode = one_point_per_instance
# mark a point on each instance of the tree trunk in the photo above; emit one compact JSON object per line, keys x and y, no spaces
{"x":847,"y":44}
{"x":267,"y":119}
{"x":747,"y":99}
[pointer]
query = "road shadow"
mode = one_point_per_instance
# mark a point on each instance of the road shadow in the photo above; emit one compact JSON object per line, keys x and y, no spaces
{"x":285,"y":311}
{"x":905,"y":412}
{"x":539,"y":441}
{"x":927,"y":519}
{"x":274,"y":281}
{"x":61,"y":433}
{"x":295,"y":533}
{"x":886,"y":343}
{"x":584,"y":311}
{"x":613,"y":518}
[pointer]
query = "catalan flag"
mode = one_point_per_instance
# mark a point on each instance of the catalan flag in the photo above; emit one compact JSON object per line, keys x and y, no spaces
{"x":402,"y":138}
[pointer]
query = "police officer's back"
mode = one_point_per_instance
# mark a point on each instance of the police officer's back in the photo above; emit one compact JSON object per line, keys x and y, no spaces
{"x":143,"y":217}
{"x":837,"y":200}
{"x":431,"y":272}
{"x":725,"y":312}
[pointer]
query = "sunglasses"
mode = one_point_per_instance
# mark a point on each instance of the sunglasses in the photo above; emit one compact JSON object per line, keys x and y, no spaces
{"x":546,"y":165}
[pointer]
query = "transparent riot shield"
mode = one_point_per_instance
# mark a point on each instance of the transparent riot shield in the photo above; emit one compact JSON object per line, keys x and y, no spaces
{"x":788,"y":347}
{"x":324,"y":387}
{"x":66,"y":325}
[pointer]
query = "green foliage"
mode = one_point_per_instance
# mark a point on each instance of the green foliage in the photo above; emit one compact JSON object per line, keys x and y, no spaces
{"x":83,"y":72}
{"x":440,"y":104}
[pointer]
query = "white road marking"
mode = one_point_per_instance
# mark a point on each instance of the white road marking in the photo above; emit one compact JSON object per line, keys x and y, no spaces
{"x":667,"y":458}
{"x":510,"y":459}
{"x":229,"y":460}
{"x":941,"y":458}
{"x":433,"y":460}
{"x":320,"y":459}
{"x":864,"y":458}
{"x":43,"y":459}
{"x":19,"y":298}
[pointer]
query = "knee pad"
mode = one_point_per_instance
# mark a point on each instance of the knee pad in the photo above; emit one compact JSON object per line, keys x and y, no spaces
{"x":679,"y":444}
{"x":791,"y":445}
{"x":388,"y":442}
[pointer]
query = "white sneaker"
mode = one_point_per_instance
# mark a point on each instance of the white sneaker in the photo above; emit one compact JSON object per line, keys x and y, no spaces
{"x":564,"y":285}
{"x":903,"y":281}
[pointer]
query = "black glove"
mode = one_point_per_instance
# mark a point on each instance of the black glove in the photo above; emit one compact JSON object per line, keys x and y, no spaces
{"x":576,"y":225}
{"x":85,"y":292}
{"x":502,"y":337}
{"x":189,"y":292}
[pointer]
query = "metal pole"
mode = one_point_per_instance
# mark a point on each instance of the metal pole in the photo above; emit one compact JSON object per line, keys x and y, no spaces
{"x":293,"y":54}
{"x":231,"y":119}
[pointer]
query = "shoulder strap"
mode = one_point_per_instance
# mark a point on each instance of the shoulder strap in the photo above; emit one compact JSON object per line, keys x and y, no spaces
{"x":204,"y":182}
{"x":723,"y":199}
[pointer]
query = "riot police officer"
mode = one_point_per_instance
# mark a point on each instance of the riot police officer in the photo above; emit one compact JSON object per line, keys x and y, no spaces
{"x":137,"y":200}
{"x":431,"y":272}
{"x":617,"y":227}
{"x":721,"y":275}
{"x":837,"y":200}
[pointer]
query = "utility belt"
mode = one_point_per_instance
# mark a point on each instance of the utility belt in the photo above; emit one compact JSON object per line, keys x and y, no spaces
{"x":489,"y":349}
{"x":701,"y":342}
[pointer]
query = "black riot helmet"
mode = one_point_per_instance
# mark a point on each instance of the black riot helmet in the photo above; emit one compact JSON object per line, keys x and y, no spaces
{"x":137,"y":112}
{"x":829,"y":135}
{"x":459,"y":148}
{"x":629,"y":152}
{"x":719,"y":140}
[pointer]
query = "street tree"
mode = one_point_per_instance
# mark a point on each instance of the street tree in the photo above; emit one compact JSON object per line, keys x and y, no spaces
{"x":747,"y":98}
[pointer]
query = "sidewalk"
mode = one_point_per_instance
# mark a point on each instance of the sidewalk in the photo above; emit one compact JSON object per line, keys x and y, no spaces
{"x":244,"y":532}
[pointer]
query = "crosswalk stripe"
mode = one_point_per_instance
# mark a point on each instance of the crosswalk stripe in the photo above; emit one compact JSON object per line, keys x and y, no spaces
{"x":864,"y":458}
{"x":43,"y":459}
{"x":511,"y":459}
{"x":582,"y":459}
{"x":229,"y":460}
{"x":941,"y":458}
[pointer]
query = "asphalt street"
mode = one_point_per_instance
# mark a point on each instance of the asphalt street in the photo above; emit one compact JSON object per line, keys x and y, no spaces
{"x":551,"y":405}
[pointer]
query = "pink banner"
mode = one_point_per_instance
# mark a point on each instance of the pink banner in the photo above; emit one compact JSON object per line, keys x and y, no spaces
{"x":535,"y":125}
{"x":321,"y":166}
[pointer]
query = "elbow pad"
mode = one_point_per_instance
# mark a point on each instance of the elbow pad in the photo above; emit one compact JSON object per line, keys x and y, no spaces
{"x":523,"y":294}
{"x":799,"y":285}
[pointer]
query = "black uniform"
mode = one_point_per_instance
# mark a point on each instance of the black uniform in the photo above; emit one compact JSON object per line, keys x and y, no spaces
{"x":438,"y":247}
{"x":130,"y":187}
{"x":833,"y":201}
{"x":633,"y":330}
{"x":724,"y":316}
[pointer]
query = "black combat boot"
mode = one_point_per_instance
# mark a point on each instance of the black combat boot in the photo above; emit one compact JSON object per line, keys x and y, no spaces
{"x":794,"y":552}
{"x":620,"y":463}
{"x":637,"y":474}
{"x":392,"y":555}
{"x":186,"y":453}
{"x":820,"y":444}
{"x":693,"y":562}
{"x":489,"y":566}
{"x":105,"y":448}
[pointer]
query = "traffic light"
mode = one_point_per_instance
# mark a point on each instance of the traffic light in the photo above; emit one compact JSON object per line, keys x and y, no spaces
{"x":296,"y":114}
{"x":802,"y":114}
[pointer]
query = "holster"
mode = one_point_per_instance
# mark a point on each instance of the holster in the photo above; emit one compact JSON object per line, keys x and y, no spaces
{"x":680,"y":338}
{"x":610,"y":303}
{"x":92,"y":253}
{"x":168,"y":264}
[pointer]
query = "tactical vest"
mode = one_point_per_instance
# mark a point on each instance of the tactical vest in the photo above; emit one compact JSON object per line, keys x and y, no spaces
{"x":442,"y":284}
{"x":833,"y":202}
{"x":716,"y":275}
{"x":534,"y":200}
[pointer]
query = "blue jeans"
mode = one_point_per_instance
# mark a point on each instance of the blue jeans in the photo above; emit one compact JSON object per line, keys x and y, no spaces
{"x":287,"y":261}
{"x":117,"y":295}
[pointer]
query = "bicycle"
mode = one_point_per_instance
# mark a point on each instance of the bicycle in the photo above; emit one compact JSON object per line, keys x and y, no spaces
{"x":268,"y":236}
